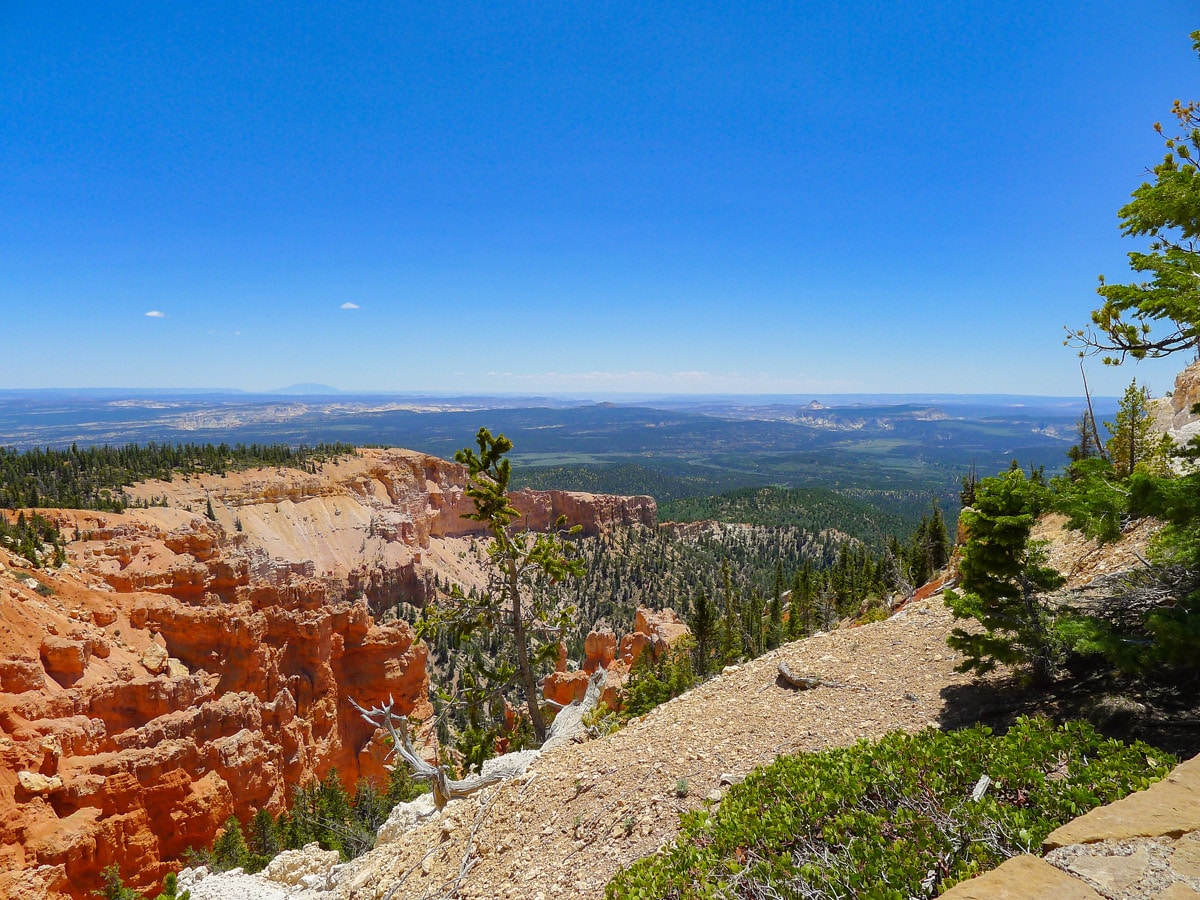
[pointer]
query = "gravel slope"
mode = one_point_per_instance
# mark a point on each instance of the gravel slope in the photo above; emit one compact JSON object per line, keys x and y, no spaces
{"x":582,"y":813}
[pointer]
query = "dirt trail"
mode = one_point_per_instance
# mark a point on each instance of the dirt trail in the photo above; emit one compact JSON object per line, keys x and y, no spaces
{"x":581,"y":814}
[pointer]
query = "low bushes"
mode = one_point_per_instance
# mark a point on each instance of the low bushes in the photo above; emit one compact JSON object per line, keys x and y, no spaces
{"x":893,"y":819}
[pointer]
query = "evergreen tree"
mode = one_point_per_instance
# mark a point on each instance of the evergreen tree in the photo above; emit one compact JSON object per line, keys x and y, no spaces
{"x":1086,"y":448}
{"x":1133,"y":442}
{"x":703,"y":624}
{"x":775,"y":631}
{"x":937,"y":541}
{"x":731,"y":640}
{"x":229,"y":850}
{"x":1003,"y":573}
{"x":521,"y":600}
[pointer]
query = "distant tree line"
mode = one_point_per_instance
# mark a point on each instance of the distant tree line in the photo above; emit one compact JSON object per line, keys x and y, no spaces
{"x":96,"y":477}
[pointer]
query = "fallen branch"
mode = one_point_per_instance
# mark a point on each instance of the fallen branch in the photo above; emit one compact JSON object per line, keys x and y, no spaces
{"x":799,"y":682}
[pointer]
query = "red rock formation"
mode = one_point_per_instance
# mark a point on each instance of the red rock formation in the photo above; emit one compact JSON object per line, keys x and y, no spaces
{"x":656,"y":632}
{"x":181,"y":669}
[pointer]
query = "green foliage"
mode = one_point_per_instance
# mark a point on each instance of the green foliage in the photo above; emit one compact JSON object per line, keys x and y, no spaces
{"x":95,"y":477}
{"x":229,"y":850}
{"x":654,"y":681}
{"x":813,"y":509}
{"x":893,"y":819}
{"x":113,"y":888}
{"x":1166,"y":210}
{"x":1003,"y":573}
{"x":170,"y":889}
{"x":321,"y":811}
{"x":522,"y":600}
{"x":703,"y":625}
{"x":1133,"y":445}
{"x":1092,"y":498}
{"x":35,"y":539}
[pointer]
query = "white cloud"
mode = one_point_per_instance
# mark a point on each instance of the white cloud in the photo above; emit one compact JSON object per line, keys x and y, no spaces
{"x":349,"y":305}
{"x":155,"y":314}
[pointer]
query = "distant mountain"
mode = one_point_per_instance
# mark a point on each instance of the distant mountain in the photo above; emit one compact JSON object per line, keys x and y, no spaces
{"x":307,"y":389}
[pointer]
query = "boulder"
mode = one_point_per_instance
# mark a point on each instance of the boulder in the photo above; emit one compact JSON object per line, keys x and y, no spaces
{"x":155,"y":659}
{"x":294,"y":866}
{"x":64,"y":658}
{"x":404,"y":817}
{"x":37,"y":783}
{"x":20,"y":674}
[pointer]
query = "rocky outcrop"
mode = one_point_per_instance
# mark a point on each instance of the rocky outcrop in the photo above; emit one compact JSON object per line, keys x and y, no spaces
{"x":591,"y":512}
{"x":184,"y":668}
{"x":655,"y":632}
{"x":198,"y":710}
{"x":1173,"y":415}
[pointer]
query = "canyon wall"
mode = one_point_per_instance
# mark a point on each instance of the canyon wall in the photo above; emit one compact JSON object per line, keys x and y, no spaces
{"x":184,"y":667}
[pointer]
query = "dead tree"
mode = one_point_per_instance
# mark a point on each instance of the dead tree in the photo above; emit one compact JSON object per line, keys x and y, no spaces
{"x":568,"y":726}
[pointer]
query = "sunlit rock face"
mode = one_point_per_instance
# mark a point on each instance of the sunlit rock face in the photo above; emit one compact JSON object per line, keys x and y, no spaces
{"x":182,"y":668}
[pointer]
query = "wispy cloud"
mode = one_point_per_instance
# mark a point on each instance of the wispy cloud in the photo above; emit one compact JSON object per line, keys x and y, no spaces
{"x":349,"y":305}
{"x":155,"y":314}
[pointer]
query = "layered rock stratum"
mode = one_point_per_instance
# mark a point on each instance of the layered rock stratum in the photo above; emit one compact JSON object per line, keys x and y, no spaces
{"x":182,"y":668}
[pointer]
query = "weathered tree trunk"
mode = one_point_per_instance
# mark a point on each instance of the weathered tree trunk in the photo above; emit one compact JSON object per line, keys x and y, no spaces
{"x":567,"y":727}
{"x":799,"y":682}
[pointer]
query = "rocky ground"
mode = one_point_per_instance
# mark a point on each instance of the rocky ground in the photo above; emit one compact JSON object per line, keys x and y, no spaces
{"x":582,"y":813}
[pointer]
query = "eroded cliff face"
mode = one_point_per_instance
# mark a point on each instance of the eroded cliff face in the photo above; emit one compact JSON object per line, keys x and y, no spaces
{"x":183,"y":668}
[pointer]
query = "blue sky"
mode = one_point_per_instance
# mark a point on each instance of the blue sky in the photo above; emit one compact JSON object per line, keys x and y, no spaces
{"x":708,"y":197}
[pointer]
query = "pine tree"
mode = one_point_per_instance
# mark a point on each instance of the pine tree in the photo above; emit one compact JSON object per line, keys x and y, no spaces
{"x":1003,"y":573}
{"x":775,"y":611}
{"x":520,"y":600}
{"x":703,"y":624}
{"x":1131,"y":433}
{"x":229,"y":850}
{"x":731,"y":639}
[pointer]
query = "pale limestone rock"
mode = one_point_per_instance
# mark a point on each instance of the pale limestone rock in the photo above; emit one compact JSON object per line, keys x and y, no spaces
{"x":1022,"y":878}
{"x":1169,"y":807}
{"x":1178,"y":891}
{"x":293,"y":866}
{"x":404,"y":817}
{"x":36,"y":783}
{"x":1112,"y":874}
{"x":155,"y":659}
{"x":1185,"y":859}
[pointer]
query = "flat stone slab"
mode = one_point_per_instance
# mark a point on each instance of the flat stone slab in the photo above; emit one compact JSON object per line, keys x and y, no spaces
{"x":1022,"y":878}
{"x":1170,"y":807}
{"x":1112,"y":874}
{"x":1178,"y":891}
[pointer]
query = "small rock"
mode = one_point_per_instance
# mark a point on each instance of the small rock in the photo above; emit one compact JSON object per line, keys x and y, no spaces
{"x":155,"y":659}
{"x":36,"y":783}
{"x":104,"y":617}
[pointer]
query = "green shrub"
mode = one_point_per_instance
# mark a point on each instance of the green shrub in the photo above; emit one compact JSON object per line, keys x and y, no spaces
{"x":893,"y":819}
{"x":654,"y":681}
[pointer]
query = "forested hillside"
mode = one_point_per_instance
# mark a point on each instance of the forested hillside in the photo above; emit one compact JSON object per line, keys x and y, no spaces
{"x":95,"y":477}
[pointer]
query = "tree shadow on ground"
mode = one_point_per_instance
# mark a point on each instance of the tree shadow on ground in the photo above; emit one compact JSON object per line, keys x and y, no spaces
{"x":1162,"y":708}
